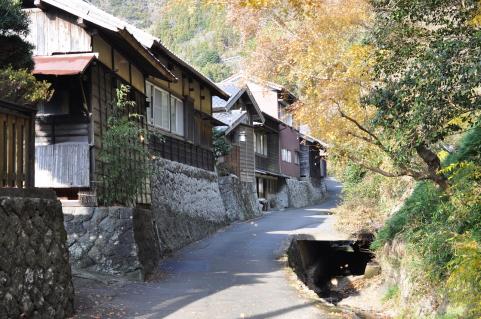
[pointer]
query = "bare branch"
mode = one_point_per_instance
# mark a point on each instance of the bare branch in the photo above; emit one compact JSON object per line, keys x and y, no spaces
{"x":365,"y":139}
{"x":376,"y":169}
{"x":362,"y":128}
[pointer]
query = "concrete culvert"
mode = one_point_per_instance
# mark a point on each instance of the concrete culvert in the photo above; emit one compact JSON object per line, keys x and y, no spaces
{"x":323,"y":265}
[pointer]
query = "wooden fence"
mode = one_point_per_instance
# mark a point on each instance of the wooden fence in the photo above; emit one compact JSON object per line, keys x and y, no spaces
{"x":17,"y":145}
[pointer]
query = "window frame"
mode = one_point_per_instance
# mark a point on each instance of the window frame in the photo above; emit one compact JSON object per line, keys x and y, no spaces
{"x":157,"y":114}
{"x":261,"y":147}
{"x":286,"y":155}
{"x":295,"y":154}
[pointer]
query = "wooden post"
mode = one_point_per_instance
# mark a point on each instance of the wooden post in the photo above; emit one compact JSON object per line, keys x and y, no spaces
{"x":31,"y":153}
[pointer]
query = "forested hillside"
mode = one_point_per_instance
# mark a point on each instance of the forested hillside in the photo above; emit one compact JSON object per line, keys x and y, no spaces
{"x":197,"y":32}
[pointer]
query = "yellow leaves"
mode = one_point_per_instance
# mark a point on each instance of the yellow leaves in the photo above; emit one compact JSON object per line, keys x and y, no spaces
{"x":315,"y":47}
{"x":476,"y":21}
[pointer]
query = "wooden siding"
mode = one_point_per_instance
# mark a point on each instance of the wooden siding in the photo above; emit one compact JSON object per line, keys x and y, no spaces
{"x":104,"y":50}
{"x":56,"y":32}
{"x":61,"y":129}
{"x":289,"y":140}
{"x":232,"y":160}
{"x":310,"y":160}
{"x":16,"y":146}
{"x":182,"y":151}
{"x":62,"y":165}
{"x":269,"y":163}
{"x":304,"y":160}
{"x":247,"y":157}
{"x":104,"y":83}
{"x":186,"y":86}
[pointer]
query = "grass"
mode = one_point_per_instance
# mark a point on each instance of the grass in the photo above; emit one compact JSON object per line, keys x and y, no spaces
{"x":444,"y":229}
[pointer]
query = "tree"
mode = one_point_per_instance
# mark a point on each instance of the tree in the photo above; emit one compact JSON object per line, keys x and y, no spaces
{"x":17,"y":84}
{"x":13,"y":26}
{"x":198,"y":32}
{"x":428,"y":66}
{"x":315,"y":48}
{"x":384,"y":82}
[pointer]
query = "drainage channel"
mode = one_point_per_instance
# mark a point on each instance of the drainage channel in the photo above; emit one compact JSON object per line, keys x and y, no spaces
{"x":324,"y":266}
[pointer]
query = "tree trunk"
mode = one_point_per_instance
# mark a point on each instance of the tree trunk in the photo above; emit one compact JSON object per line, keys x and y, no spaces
{"x":434,"y":165}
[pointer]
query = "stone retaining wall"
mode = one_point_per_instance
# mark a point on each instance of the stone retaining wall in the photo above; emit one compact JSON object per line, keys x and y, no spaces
{"x":186,"y":204}
{"x":240,"y":199}
{"x":297,"y":194}
{"x":112,"y":240}
{"x":35,"y":275}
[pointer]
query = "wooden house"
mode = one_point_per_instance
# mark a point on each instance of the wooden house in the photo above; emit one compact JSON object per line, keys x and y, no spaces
{"x":239,"y":114}
{"x":17,"y":145}
{"x":312,"y":159}
{"x":87,"y":54}
{"x":290,"y":150}
{"x":267,"y":158}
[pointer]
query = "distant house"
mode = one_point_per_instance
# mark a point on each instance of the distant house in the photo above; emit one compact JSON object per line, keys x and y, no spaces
{"x":87,"y":54}
{"x":268,"y":154}
{"x":290,"y":148}
{"x":312,"y":159}
{"x":239,"y":114}
{"x":283,"y":150}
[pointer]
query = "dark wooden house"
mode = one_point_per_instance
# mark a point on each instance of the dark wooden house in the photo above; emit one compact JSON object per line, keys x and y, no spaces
{"x":239,"y":114}
{"x":87,"y":54}
{"x":312,"y":159}
{"x":289,"y":138}
{"x":267,"y":153}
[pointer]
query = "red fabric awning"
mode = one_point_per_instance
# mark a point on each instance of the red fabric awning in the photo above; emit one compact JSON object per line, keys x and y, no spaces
{"x":62,"y":64}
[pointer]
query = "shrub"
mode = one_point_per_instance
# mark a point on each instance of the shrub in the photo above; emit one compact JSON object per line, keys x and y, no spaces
{"x":444,"y":229}
{"x":124,"y":156}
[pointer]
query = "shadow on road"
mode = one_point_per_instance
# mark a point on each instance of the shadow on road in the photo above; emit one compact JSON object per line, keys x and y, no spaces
{"x":232,"y":274}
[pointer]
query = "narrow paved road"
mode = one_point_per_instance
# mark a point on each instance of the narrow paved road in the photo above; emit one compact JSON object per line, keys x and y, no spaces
{"x":232,"y":274}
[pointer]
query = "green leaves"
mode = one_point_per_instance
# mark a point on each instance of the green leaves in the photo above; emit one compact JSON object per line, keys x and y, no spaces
{"x":220,"y":145}
{"x":427,"y":69}
{"x":124,"y":157}
{"x":15,"y":52}
{"x":20,"y":86}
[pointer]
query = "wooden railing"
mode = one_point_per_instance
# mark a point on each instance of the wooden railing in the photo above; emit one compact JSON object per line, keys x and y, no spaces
{"x":182,"y":151}
{"x":17,"y":145}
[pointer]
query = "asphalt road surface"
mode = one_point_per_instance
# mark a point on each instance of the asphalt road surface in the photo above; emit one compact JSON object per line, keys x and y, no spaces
{"x":232,"y":274}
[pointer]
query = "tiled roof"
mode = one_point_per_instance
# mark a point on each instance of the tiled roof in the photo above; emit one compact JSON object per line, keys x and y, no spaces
{"x":230,"y":89}
{"x":229,"y":118}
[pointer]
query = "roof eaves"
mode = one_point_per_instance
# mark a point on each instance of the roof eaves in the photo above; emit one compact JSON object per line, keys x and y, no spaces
{"x":256,"y":106}
{"x":235,"y":123}
{"x":232,"y":100}
{"x":219,"y":92}
{"x":163,"y":70}
{"x":108,"y":22}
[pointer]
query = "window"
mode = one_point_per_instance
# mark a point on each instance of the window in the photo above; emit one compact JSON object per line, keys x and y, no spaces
{"x":166,"y":111}
{"x":260,"y":141}
{"x":296,"y":158}
{"x":58,"y":104}
{"x":286,"y":155}
{"x":177,"y":116}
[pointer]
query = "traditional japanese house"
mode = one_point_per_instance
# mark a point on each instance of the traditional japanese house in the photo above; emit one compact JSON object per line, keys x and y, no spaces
{"x":181,"y":111}
{"x":87,"y":54}
{"x":312,"y":159}
{"x":290,"y":148}
{"x":267,"y":154}
{"x":239,"y":114}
